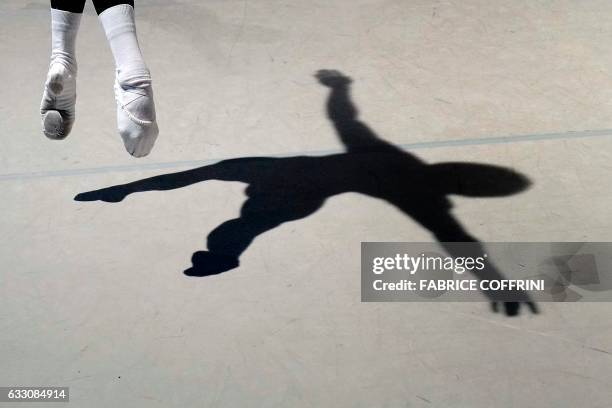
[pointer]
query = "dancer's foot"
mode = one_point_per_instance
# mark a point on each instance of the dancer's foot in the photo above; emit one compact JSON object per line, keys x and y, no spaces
{"x":136,"y":118}
{"x":59,"y":96}
{"x":58,"y":102}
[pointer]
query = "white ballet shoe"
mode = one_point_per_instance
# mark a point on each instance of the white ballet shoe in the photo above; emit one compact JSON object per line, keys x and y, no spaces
{"x":136,"y":119}
{"x":58,"y":102}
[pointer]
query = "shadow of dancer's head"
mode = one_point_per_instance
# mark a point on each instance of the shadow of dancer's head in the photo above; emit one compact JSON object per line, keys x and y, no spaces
{"x":477,"y":180}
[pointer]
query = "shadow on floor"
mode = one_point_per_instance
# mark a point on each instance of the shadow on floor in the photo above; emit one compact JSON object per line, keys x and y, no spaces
{"x":286,"y":189}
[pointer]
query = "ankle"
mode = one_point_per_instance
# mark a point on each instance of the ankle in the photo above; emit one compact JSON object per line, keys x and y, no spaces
{"x":58,"y":76}
{"x":64,"y":30}
{"x":134,"y":78}
{"x":66,"y":60}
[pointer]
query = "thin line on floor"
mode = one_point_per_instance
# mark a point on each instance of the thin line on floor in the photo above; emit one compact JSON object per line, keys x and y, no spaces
{"x":406,"y":146}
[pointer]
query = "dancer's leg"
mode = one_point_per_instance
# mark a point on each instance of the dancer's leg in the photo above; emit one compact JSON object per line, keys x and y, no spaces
{"x":133,"y":91}
{"x":59,"y":96}
{"x":102,"y":5}
{"x":73,"y":6}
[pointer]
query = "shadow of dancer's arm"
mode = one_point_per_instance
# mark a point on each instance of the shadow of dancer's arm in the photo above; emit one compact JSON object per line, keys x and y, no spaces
{"x":511,"y":301}
{"x":227,"y":170}
{"x":449,"y":231}
{"x":355,"y":135}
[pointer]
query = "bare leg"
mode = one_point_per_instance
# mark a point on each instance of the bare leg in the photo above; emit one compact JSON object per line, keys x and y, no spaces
{"x":102,"y":5}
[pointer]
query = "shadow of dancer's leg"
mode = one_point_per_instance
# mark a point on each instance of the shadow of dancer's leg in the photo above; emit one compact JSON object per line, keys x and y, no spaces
{"x":115,"y":194}
{"x":447,"y":230}
{"x":227,"y":170}
{"x":229,"y":240}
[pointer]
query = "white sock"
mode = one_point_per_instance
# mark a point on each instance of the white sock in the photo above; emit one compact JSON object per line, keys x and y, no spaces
{"x":133,"y":91}
{"x":59,"y":97}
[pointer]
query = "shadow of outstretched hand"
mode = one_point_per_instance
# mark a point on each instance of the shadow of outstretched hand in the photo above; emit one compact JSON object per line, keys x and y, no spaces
{"x":332,"y":78}
{"x":512,"y":309}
